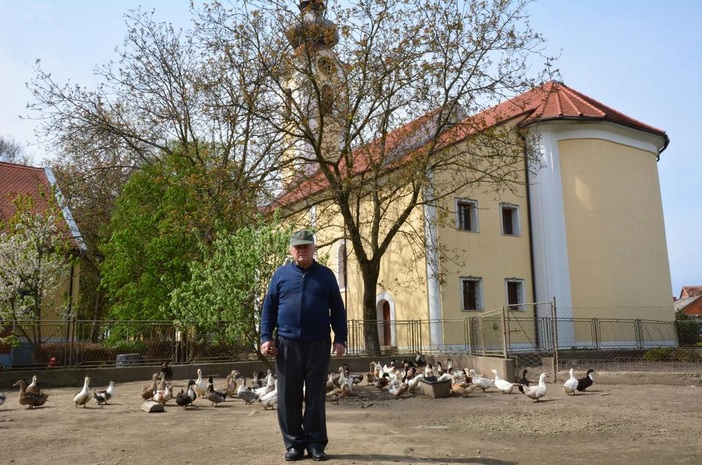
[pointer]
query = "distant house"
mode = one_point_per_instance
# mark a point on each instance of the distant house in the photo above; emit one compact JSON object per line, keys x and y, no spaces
{"x":16,"y":180}
{"x":690,"y":301}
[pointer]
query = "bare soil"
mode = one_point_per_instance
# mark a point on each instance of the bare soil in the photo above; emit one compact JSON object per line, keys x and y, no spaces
{"x":626,"y":424}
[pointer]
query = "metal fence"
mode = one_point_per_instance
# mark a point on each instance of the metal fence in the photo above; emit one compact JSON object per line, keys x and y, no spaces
{"x":505,"y":333}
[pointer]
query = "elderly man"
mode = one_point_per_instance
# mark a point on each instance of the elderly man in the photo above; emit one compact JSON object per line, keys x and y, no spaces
{"x":302,"y":303}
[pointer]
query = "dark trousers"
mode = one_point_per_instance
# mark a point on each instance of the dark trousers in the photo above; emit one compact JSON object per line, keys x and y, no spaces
{"x":302,"y":364}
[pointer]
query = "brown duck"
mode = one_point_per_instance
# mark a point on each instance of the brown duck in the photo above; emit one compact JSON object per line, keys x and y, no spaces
{"x":30,"y":399}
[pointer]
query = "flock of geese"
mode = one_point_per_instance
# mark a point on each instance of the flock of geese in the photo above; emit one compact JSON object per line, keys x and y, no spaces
{"x":398,"y":379}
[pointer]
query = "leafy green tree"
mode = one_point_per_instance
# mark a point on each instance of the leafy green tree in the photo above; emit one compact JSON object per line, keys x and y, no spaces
{"x":163,"y":95}
{"x":34,"y":253}
{"x":224,"y":295}
{"x":164,"y":219}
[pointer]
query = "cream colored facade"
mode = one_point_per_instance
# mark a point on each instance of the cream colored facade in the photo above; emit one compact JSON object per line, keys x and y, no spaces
{"x":590,"y":226}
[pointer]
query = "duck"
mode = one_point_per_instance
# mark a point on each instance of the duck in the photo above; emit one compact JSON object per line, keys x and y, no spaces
{"x":504,"y":386}
{"x":243,"y":393}
{"x":414,"y":382}
{"x":419,"y":360}
{"x":166,"y":370}
{"x":338,"y":393}
{"x":103,"y":395}
{"x":462,"y":389}
{"x":397,"y":390}
{"x":373,"y":372}
{"x":524,"y":381}
{"x":83,"y":396}
{"x":200,"y":384}
{"x":213,"y":395}
{"x":163,"y":394}
{"x":30,"y":399}
{"x":355,"y":378}
{"x":571,"y":385}
{"x":270,"y":400}
{"x":33,"y":386}
{"x":268,"y":387}
{"x":3,"y":397}
{"x":538,"y":391}
{"x":480,"y":381}
{"x":330,"y":382}
{"x":231,"y":383}
{"x":586,"y":381}
{"x":382,"y":382}
{"x":149,"y":390}
{"x":187,"y":397}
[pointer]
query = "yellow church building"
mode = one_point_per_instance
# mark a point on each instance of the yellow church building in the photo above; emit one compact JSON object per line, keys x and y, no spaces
{"x":584,"y":230}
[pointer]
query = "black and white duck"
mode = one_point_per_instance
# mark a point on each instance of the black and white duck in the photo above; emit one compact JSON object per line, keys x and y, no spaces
{"x":586,"y":381}
{"x":187,"y":397}
{"x":103,"y":395}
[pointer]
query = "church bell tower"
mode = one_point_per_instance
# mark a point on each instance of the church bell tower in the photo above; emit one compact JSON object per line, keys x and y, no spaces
{"x":313,"y":91}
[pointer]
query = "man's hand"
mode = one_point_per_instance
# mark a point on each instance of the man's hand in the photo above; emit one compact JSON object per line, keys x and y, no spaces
{"x":268,"y":349}
{"x":338,"y":349}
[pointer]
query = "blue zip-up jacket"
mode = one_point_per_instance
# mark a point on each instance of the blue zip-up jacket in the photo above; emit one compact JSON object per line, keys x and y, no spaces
{"x":302,"y":304}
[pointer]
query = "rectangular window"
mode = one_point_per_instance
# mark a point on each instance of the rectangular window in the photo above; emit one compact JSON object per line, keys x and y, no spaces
{"x":510,"y":220}
{"x":471,"y":298}
{"x":467,"y":215}
{"x":515,"y":294}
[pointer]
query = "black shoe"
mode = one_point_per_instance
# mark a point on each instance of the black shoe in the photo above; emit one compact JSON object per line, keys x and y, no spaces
{"x":294,"y":454}
{"x":318,"y":455}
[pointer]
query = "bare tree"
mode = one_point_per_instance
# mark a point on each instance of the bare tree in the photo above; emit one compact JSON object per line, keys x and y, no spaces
{"x":12,"y":151}
{"x":165,"y":95}
{"x":376,"y":108}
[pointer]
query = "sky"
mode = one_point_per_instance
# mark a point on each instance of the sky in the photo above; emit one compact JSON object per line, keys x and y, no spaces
{"x":642,"y":58}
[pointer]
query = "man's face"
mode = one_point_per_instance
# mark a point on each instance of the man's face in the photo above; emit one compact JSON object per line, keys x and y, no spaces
{"x":302,"y":254}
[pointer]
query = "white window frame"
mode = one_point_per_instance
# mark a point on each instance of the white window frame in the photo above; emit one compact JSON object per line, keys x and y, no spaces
{"x":519,"y":305}
{"x":478,"y":292}
{"x":473,"y":211}
{"x":515,"y":217}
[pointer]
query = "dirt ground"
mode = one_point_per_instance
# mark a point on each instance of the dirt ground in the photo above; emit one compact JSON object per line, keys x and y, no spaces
{"x":640,"y":423}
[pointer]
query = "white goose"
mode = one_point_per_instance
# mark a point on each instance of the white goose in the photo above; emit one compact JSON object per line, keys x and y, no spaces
{"x":502,"y":384}
{"x":480,"y":381}
{"x":83,"y":395}
{"x":538,"y":391}
{"x":571,"y":384}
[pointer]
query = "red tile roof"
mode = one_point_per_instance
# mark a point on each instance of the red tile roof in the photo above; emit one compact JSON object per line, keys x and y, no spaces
{"x":690,"y":291}
{"x":27,"y":180}
{"x":20,"y":179}
{"x":549,"y":102}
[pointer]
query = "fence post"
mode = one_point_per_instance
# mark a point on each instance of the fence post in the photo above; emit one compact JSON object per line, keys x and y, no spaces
{"x":554,"y":334}
{"x":503,"y":316}
{"x":482,"y":334}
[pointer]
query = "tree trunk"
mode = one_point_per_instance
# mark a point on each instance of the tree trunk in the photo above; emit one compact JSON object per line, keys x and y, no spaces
{"x":370,"y":273}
